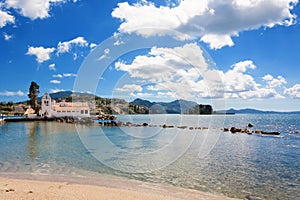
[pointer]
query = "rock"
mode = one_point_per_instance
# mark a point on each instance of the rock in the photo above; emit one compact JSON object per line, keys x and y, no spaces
{"x":145,"y":124}
{"x":249,"y":132}
{"x":258,"y":131}
{"x":166,"y":126}
{"x":182,"y":127}
{"x":235,"y":130}
{"x":250,"y":125}
{"x":244,"y":130}
{"x":225,"y":130}
{"x":270,"y":133}
{"x":191,"y":128}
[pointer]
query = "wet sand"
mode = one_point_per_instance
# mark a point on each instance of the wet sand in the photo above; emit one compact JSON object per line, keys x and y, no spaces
{"x":50,"y":187}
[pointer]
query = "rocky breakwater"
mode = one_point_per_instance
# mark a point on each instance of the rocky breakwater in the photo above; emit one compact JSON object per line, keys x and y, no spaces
{"x":75,"y":120}
{"x":110,"y":121}
{"x":249,"y":131}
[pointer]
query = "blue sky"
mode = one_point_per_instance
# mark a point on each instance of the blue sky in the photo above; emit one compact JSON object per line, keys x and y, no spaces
{"x":254,"y":45}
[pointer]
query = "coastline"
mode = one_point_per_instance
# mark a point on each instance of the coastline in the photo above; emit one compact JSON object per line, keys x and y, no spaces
{"x":27,"y":186}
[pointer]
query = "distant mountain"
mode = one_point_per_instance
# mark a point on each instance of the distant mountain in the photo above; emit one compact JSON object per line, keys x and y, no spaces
{"x":67,"y":94}
{"x":141,"y":102}
{"x":254,"y":111}
{"x":174,"y":107}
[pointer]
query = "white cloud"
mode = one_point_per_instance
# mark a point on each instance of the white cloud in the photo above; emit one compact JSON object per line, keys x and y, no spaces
{"x":10,"y":93}
{"x":105,"y":54}
{"x":52,"y":67}
{"x":118,"y":39}
{"x":42,"y":54}
{"x":5,"y":18}
{"x":217,"y":41}
{"x":93,"y":45}
{"x":214,"y":21}
{"x":7,"y":37}
{"x":238,"y":84}
{"x":69,"y":75}
{"x":182,"y":72}
{"x":274,"y":82}
{"x":64,"y":75}
{"x":55,"y":90}
{"x":162,"y":63}
{"x":293,"y":92}
{"x":57,"y":76}
{"x":243,"y":66}
{"x":55,"y":81}
{"x":34,"y":9}
{"x":130,"y":88}
{"x":65,"y":47}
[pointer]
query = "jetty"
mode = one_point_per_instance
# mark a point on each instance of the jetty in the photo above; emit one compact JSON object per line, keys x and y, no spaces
{"x":111,"y":121}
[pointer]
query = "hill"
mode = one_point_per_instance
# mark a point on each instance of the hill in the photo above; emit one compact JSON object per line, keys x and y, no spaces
{"x":254,"y":111}
{"x":174,"y":107}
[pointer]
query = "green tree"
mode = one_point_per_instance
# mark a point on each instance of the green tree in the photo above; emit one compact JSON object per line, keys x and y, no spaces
{"x":33,"y":94}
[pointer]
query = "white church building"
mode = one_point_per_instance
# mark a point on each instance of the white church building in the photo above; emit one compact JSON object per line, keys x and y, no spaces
{"x":51,"y":108}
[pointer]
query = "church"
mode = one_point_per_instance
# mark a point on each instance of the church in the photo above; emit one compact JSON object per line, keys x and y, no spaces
{"x":51,"y":108}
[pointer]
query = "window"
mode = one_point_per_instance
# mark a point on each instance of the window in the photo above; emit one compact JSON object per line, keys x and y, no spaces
{"x":82,"y":112}
{"x":86,"y":112}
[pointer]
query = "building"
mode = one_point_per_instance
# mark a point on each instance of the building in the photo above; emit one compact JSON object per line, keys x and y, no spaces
{"x":30,"y":113}
{"x":51,"y":108}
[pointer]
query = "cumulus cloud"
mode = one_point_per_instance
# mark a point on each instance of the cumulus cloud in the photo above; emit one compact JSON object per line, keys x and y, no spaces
{"x":55,"y":90}
{"x":130,"y":88}
{"x":274,"y":82}
{"x":93,"y":45}
{"x":57,"y":76}
{"x":42,"y":54}
{"x":7,"y":37}
{"x":163,"y":63}
{"x":293,"y":92}
{"x":5,"y":18}
{"x":52,"y":67}
{"x":69,"y":75}
{"x":213,"y":21}
{"x":182,"y":72}
{"x":10,"y":93}
{"x":105,"y":54}
{"x":55,"y":81}
{"x":33,"y":9}
{"x":65,"y":47}
{"x":64,"y":75}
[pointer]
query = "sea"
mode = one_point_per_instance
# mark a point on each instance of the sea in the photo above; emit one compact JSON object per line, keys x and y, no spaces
{"x":190,"y":152}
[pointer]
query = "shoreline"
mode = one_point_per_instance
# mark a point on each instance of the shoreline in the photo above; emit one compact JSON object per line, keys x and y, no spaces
{"x":28,"y":186}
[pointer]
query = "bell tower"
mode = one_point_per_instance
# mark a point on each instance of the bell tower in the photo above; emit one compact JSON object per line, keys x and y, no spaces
{"x":46,"y":105}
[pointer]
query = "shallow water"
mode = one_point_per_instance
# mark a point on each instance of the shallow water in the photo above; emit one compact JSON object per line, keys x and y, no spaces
{"x":238,"y":165}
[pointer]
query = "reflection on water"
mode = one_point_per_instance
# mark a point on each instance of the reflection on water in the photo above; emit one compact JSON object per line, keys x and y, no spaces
{"x":239,"y":165}
{"x":32,"y":131}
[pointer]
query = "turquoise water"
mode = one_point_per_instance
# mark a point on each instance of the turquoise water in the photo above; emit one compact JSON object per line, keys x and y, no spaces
{"x":235,"y":165}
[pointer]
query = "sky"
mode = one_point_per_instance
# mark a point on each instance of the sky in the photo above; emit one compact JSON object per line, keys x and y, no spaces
{"x":232,"y":54}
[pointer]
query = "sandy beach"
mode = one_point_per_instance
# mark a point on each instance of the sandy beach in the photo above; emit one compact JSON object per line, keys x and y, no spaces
{"x":83,"y":188}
